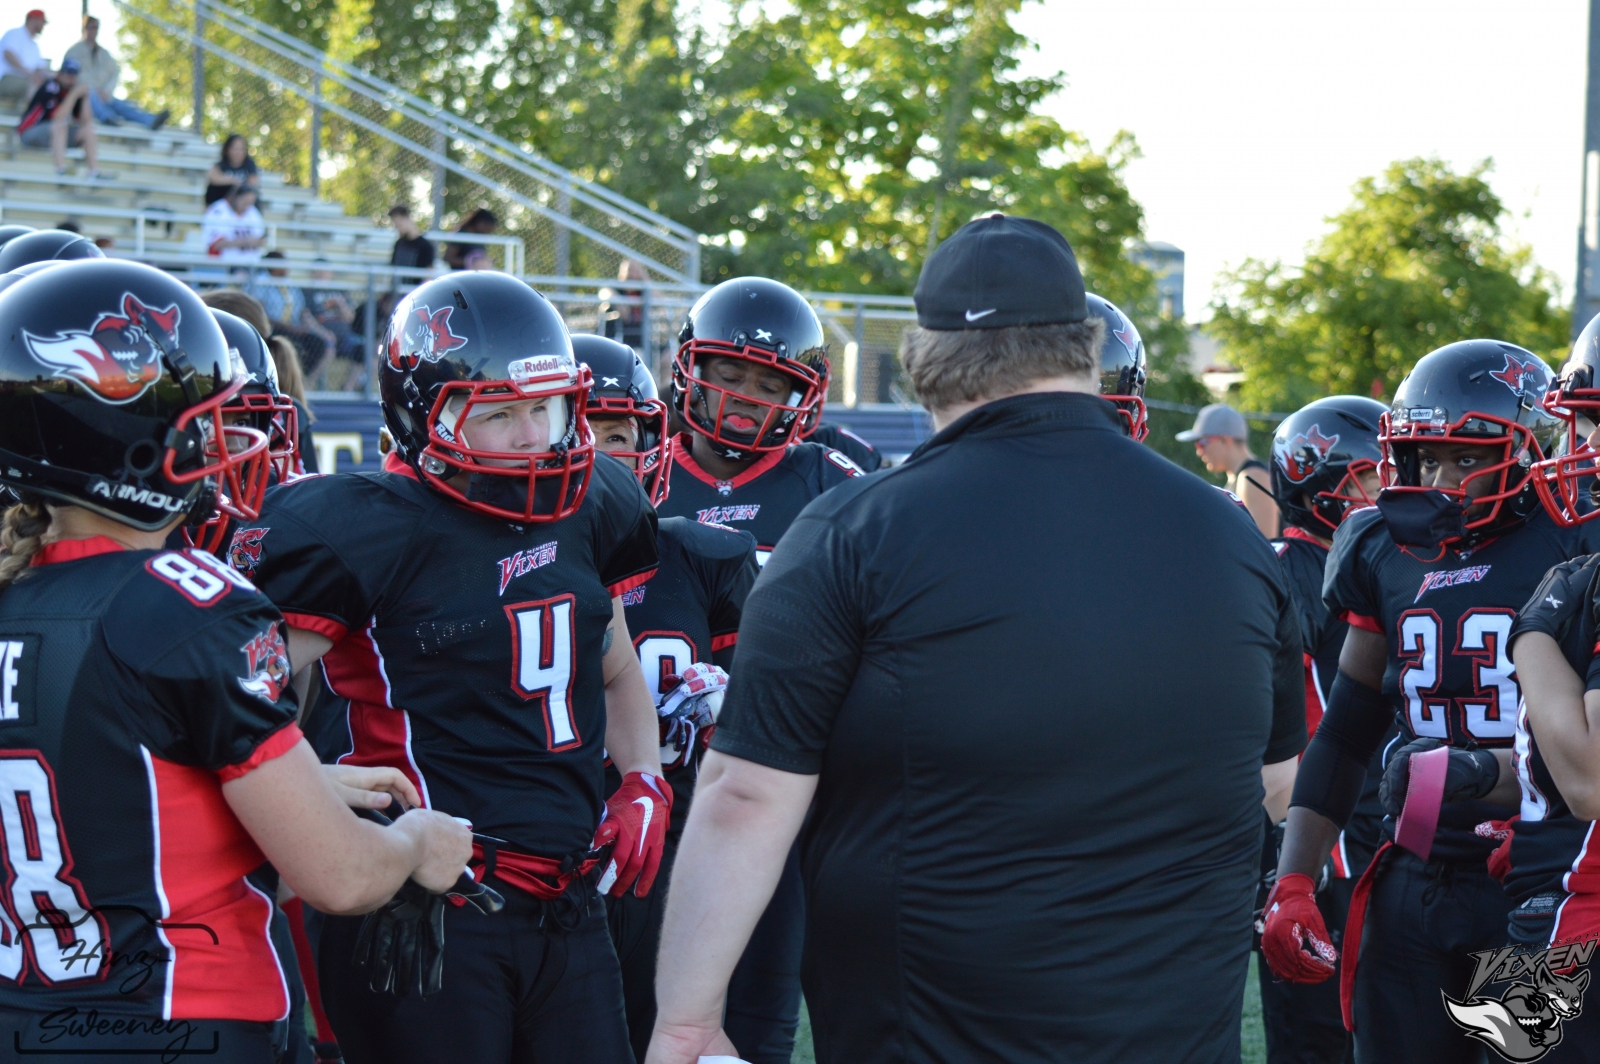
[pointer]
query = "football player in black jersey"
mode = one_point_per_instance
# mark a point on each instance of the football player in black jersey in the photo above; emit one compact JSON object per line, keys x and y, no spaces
{"x":261,"y":406}
{"x":1552,"y":860}
{"x":750,"y":375}
{"x":1324,"y":464}
{"x":684,"y":621}
{"x":148,"y":746}
{"x":1429,"y":582}
{"x":466,"y":600}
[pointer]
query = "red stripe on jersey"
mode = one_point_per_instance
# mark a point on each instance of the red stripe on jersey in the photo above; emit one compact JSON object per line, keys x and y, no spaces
{"x":310,"y":622}
{"x":630,"y":583}
{"x":1314,"y":706}
{"x":70,"y":550}
{"x":381,"y":733}
{"x":1341,"y":860}
{"x":723,"y":642}
{"x":295,"y":910}
{"x":1296,"y":532}
{"x":1584,"y":877}
{"x":1578,"y":920}
{"x":277,"y":744}
{"x":1366,"y":624}
{"x":223,"y":966}
{"x":684,"y":460}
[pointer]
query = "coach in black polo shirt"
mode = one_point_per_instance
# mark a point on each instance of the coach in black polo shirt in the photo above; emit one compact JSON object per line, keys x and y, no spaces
{"x":1029,"y":680}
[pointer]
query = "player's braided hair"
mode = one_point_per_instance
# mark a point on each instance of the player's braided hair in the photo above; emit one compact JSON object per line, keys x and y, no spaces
{"x":23,"y":531}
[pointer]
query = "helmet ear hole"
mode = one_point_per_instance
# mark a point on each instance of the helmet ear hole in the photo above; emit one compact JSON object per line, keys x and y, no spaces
{"x":143,"y":457}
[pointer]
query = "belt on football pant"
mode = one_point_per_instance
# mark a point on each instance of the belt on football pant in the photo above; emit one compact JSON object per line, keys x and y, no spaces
{"x":1413,"y":832}
{"x":544,"y":877}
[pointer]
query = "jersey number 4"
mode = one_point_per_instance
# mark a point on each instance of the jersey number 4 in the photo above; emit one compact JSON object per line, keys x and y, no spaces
{"x":544,"y":642}
{"x":1490,"y":711}
{"x":66,"y":940}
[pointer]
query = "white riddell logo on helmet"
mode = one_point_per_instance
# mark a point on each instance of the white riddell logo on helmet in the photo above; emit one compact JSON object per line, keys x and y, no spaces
{"x":526,"y":369}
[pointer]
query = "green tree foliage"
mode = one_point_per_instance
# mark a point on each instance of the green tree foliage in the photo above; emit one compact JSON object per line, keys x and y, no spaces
{"x":1417,"y":261}
{"x":828,"y":143}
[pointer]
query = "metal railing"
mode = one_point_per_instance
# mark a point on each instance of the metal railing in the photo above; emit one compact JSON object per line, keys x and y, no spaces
{"x":367,"y":144}
{"x":513,"y":257}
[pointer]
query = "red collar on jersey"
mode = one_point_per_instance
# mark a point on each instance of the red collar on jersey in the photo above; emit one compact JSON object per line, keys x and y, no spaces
{"x":1296,"y":532}
{"x":70,"y":550}
{"x":682,"y":457}
{"x":393,"y":464}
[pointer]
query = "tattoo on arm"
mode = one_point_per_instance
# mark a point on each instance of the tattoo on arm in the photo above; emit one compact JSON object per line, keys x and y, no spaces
{"x":605,"y":644}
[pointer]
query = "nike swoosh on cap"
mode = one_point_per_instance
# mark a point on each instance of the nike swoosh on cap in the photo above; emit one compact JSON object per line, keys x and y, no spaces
{"x":974,"y":315}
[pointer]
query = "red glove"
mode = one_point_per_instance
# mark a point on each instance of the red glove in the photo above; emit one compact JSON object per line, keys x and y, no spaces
{"x":1293,"y":936}
{"x":635,"y":820}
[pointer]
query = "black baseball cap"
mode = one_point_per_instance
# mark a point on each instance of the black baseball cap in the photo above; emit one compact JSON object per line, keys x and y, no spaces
{"x":998,"y":271}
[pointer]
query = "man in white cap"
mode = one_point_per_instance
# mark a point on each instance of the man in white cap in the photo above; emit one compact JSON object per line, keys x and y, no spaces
{"x":1221,"y":439}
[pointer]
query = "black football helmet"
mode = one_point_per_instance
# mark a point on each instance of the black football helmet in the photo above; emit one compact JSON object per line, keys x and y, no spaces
{"x":1566,"y":480}
{"x":1122,"y":366}
{"x":764,"y":323}
{"x":1482,"y":392}
{"x":113,"y":376}
{"x":260,"y":405}
{"x":9,"y":233}
{"x":624,"y":387}
{"x":477,"y":337}
{"x":46,"y":244}
{"x":1318,"y":456}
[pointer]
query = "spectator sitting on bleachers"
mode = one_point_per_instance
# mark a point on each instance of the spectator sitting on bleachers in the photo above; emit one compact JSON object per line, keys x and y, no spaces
{"x":481,"y":220}
{"x":234,"y":230}
{"x":332,"y":310}
{"x":22,"y":68}
{"x":62,"y":102}
{"x":100,"y":72}
{"x":234,"y":168}
{"x":286,"y":305}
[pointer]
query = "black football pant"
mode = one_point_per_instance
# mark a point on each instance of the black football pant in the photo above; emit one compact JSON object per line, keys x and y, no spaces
{"x":764,"y":993}
{"x":636,"y":930}
{"x":83,"y":1036}
{"x":1422,"y":922}
{"x":514,"y":992}
{"x":1303,"y":1022}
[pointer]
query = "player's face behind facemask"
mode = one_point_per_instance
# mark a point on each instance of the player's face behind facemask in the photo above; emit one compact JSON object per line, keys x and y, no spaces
{"x":735,"y":380}
{"x":618,"y":436}
{"x":509,"y":433}
{"x":1461,"y":467}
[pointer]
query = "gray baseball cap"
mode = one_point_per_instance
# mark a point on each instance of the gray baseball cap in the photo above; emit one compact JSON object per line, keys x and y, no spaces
{"x":1218,"y":419}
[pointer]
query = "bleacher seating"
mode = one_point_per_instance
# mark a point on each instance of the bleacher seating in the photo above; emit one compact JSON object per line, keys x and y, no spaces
{"x":162,"y":174}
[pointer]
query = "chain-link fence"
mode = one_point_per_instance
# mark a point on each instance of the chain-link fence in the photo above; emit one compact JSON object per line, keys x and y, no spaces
{"x":369,"y":145}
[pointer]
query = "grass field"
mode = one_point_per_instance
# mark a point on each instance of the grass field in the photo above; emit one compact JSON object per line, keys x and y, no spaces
{"x":1253,"y":1042}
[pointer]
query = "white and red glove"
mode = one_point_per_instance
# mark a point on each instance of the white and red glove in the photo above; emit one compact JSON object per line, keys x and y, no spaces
{"x":634,"y":824}
{"x":696,"y":697}
{"x":1293,"y":937}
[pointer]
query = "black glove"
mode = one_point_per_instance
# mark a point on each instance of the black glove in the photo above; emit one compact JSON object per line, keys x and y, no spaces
{"x":1471,"y":774}
{"x":401,"y":946}
{"x":1562,"y":596}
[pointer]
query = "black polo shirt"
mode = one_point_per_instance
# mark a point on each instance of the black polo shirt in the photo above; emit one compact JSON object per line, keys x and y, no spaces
{"x":1038,"y":668}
